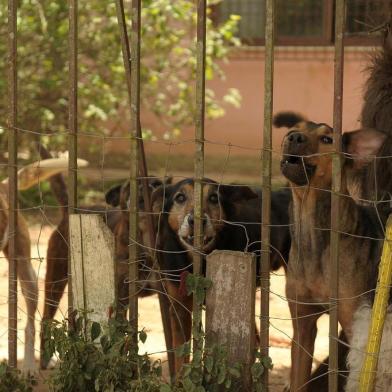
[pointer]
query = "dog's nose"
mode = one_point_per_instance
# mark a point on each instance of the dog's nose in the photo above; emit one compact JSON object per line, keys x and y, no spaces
{"x":297,"y":137}
{"x":191,"y":220}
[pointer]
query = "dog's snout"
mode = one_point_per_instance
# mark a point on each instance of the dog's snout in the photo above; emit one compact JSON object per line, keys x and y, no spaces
{"x":297,"y":137}
{"x":191,"y":220}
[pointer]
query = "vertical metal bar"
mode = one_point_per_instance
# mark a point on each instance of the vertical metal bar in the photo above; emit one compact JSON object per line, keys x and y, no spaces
{"x":266,"y":189}
{"x":72,"y":124}
{"x":199,"y":149}
{"x":336,"y":190}
{"x":134,"y":159}
{"x":13,"y":185}
{"x":163,"y":299}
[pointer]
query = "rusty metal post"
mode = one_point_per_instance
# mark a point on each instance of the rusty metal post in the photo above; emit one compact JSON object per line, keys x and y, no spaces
{"x":266,"y":189}
{"x":13,"y":185}
{"x":72,"y":125}
{"x":134,"y":160}
{"x":163,"y":299}
{"x":199,"y":153}
{"x":336,"y":190}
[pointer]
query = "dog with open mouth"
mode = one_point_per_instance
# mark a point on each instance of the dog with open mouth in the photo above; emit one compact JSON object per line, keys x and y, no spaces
{"x":307,"y":164}
{"x":231,"y":220}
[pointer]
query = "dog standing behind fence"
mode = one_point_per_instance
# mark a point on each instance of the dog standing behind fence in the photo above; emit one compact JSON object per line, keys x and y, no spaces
{"x":27,"y":177}
{"x":375,"y":183}
{"x":307,"y":164}
{"x":57,"y":253}
{"x":232,"y":221}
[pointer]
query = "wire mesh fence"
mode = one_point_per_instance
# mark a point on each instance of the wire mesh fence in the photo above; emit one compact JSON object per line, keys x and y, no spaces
{"x":166,"y":223}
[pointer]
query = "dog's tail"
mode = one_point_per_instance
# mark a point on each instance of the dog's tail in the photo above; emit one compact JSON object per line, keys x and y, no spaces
{"x":57,"y":182}
{"x":42,"y":170}
{"x":287,"y":119}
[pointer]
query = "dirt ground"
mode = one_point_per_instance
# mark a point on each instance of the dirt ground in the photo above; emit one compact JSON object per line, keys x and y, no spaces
{"x":150,"y":317}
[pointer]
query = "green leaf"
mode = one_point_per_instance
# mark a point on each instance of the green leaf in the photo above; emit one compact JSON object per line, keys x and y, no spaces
{"x":95,"y":330}
{"x":209,"y":363}
{"x":142,"y":336}
{"x":257,"y":370}
{"x":165,"y":388}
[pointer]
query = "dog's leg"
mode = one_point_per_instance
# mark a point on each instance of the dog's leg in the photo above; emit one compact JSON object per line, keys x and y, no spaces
{"x":55,"y":281}
{"x":29,"y":286}
{"x":304,"y":318}
{"x":181,"y":320}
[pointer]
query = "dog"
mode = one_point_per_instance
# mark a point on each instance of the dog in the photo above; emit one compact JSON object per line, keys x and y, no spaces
{"x":307,"y":164}
{"x":28,"y":176}
{"x":374,"y":182}
{"x":117,"y":219}
{"x":232,"y":221}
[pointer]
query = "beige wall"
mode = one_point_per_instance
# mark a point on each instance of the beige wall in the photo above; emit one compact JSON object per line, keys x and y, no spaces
{"x":303,"y":82}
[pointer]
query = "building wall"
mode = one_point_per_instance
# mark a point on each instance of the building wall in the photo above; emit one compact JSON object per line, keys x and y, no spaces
{"x":303,"y":82}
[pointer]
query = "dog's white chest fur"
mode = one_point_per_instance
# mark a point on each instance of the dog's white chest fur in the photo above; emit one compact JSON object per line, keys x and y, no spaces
{"x":358,"y":348}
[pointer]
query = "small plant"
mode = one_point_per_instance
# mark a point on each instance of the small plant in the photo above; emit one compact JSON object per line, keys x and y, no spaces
{"x":94,"y":359}
{"x":12,"y":380}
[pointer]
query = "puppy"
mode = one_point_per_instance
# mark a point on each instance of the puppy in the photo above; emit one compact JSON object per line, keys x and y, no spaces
{"x":307,"y":164}
{"x":232,"y":221}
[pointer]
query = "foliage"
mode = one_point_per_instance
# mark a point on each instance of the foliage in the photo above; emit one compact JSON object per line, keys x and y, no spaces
{"x":12,"y":380}
{"x":168,"y":66}
{"x":96,"y":358}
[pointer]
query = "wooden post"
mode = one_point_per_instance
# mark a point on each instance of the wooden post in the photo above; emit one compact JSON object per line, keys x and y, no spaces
{"x":92,"y":265}
{"x":230,"y":314}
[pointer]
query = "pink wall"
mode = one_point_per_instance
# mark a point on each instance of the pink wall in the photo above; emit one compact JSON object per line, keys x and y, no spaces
{"x":303,"y":82}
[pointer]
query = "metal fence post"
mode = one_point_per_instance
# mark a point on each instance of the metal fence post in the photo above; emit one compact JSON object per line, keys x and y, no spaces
{"x":72,"y":125}
{"x":134,"y":160}
{"x":336,"y":190}
{"x":199,"y":148}
{"x":266,"y":189}
{"x":13,"y":185}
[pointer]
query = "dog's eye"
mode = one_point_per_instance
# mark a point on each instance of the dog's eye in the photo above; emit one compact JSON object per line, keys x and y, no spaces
{"x":213,"y":198}
{"x":326,"y":139}
{"x":180,"y":198}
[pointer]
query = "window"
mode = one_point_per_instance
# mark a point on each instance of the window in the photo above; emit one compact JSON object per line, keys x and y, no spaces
{"x":305,"y":22}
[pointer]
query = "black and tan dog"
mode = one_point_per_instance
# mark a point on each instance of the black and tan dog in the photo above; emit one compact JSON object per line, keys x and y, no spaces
{"x":117,"y":220}
{"x":232,"y":217}
{"x":307,"y":164}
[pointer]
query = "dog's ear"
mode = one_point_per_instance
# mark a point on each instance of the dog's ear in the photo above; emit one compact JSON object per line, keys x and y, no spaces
{"x":362,"y":145}
{"x":159,"y":196}
{"x":287,"y":119}
{"x":235,"y":193}
{"x":112,"y":196}
{"x":168,"y":180}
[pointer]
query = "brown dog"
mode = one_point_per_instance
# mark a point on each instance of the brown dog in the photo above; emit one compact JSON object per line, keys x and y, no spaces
{"x":57,"y":253}
{"x":27,"y":177}
{"x":307,"y":164}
